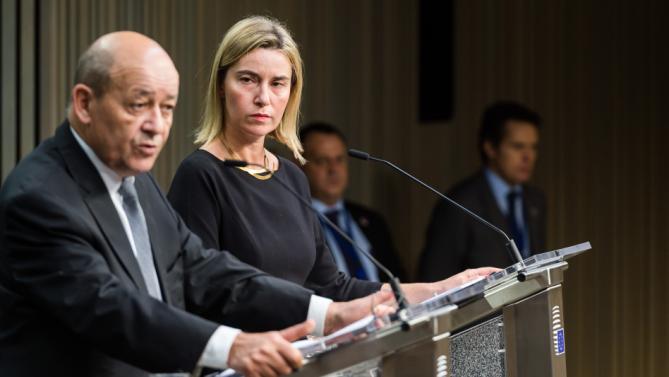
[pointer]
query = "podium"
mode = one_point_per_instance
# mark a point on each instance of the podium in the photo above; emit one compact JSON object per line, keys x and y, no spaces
{"x":508,"y":324}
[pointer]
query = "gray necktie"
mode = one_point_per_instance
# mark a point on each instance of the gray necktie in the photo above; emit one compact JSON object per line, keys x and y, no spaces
{"x":140,"y":235}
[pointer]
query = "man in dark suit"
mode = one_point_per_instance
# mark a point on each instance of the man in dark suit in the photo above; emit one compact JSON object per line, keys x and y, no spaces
{"x":499,"y":193}
{"x":100,"y":277}
{"x":327,"y":171}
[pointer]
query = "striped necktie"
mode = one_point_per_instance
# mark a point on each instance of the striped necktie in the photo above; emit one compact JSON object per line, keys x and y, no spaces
{"x":351,"y":256}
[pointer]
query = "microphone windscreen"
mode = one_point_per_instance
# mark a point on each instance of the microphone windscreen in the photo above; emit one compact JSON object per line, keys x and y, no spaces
{"x":358,"y":154}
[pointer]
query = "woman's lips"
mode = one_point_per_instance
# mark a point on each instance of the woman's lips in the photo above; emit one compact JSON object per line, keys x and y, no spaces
{"x":261,"y":117}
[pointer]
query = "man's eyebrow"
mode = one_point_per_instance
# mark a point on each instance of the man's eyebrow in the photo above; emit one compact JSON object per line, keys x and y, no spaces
{"x":141,"y":92}
{"x":145,"y":92}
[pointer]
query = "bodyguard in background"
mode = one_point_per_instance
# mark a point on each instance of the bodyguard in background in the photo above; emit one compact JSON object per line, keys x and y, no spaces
{"x":327,"y":170}
{"x":499,"y":193}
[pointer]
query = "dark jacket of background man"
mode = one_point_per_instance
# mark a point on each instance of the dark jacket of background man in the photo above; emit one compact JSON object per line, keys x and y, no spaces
{"x":455,"y":241}
{"x":327,"y":171}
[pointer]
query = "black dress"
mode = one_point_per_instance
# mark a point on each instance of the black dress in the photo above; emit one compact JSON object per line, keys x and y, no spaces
{"x":261,"y":223}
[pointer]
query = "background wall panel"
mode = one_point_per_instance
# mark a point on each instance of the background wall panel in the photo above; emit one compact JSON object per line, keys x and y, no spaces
{"x":596,"y":71}
{"x":18,"y":75}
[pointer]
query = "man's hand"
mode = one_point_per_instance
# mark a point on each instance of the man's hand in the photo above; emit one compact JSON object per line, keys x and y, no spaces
{"x":268,"y":354}
{"x":340,"y":314}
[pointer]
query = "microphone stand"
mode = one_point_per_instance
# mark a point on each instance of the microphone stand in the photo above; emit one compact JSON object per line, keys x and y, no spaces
{"x":510,"y":245}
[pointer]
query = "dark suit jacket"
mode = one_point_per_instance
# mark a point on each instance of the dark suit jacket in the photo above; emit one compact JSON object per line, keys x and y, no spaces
{"x":376,"y":230}
{"x":455,"y":241}
{"x":72,"y":298}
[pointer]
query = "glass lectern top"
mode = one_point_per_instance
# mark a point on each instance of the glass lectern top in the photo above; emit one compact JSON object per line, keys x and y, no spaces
{"x":476,"y":288}
{"x":537,"y":260}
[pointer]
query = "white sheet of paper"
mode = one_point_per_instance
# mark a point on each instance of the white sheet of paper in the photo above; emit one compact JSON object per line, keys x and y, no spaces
{"x":310,"y":345}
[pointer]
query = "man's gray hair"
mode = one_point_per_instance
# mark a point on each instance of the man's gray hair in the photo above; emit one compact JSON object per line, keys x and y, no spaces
{"x":93,"y":70}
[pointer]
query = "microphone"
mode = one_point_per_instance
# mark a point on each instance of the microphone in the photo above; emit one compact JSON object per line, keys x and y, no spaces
{"x":510,"y":244}
{"x":394,"y":282}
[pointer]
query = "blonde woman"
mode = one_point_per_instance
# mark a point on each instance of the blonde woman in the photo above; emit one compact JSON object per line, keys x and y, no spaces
{"x":254,"y":93}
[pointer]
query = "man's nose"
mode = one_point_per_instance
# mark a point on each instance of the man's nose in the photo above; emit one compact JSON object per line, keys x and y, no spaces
{"x":529,"y":155}
{"x":156,"y":121}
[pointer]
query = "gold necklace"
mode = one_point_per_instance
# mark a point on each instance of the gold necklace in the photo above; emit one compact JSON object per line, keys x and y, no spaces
{"x":263,"y":173}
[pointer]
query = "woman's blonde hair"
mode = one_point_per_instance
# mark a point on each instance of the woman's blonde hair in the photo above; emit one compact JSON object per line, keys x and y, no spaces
{"x":243,"y":37}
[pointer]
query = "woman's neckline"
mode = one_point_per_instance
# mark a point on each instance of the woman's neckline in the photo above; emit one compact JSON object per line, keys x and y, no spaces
{"x":253,"y":171}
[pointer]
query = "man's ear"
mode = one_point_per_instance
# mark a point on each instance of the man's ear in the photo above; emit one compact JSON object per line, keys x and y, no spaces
{"x":82,"y":97}
{"x":489,"y":150}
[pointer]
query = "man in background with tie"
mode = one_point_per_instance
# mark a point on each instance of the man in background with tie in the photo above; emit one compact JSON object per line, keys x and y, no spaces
{"x":327,"y":171}
{"x":508,"y":141}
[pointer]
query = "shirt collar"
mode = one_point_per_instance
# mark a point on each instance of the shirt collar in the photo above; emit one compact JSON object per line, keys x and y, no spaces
{"x":323,"y":208}
{"x":110,"y":178}
{"x":499,"y":186}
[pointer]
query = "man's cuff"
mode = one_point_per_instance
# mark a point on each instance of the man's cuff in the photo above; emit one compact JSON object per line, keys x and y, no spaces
{"x":318,"y":309}
{"x":217,"y":350}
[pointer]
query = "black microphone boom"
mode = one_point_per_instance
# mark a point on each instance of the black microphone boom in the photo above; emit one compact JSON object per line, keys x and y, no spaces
{"x":394,"y":282}
{"x":511,"y":245}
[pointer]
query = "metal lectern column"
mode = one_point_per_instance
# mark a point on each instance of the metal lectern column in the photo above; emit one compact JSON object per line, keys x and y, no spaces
{"x":534,"y":332}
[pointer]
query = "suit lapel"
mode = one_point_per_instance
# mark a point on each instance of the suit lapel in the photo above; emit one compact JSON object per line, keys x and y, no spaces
{"x":145,"y":192}
{"x":494,"y":214}
{"x":97,"y":199}
{"x":491,"y":210}
{"x":360,"y":219}
{"x":109,"y":222}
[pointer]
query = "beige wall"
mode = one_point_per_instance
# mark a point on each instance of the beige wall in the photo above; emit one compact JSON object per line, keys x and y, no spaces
{"x":597,"y":71}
